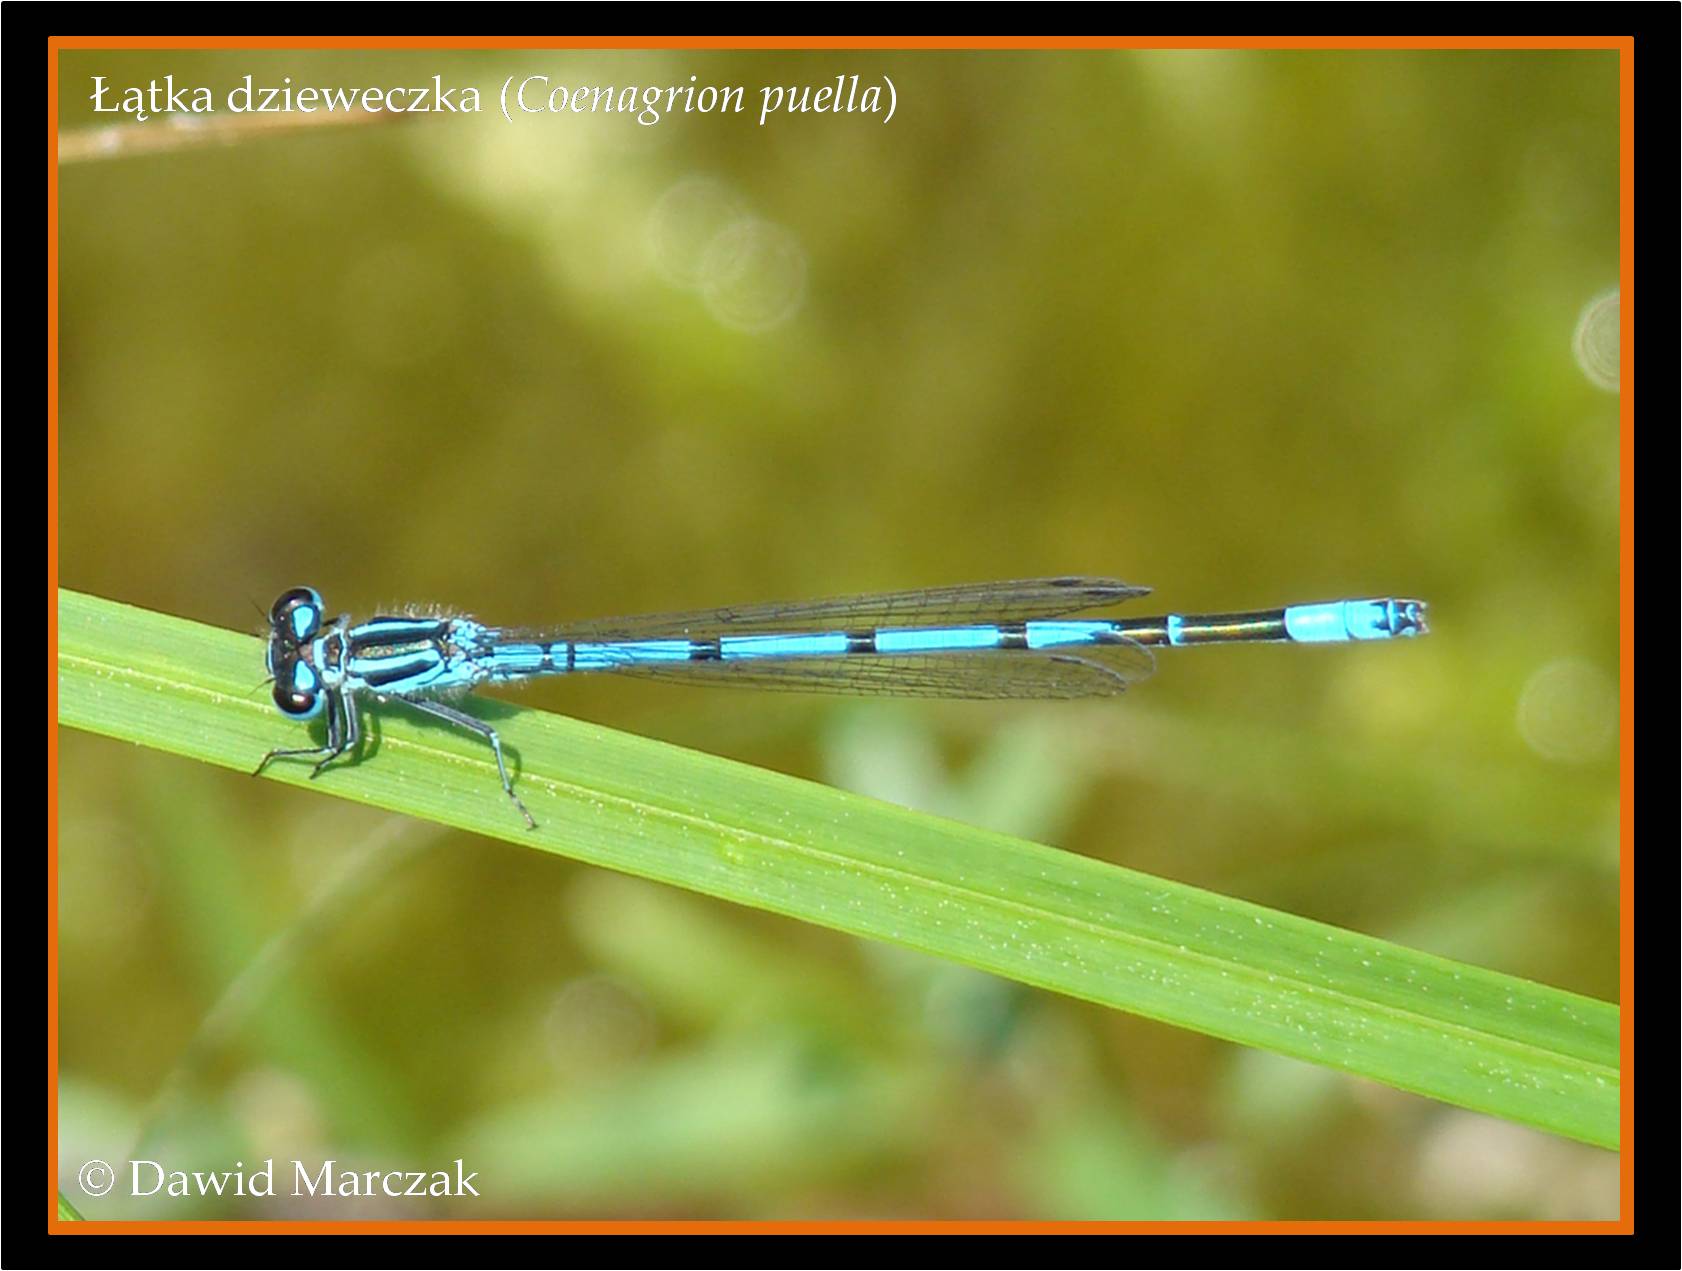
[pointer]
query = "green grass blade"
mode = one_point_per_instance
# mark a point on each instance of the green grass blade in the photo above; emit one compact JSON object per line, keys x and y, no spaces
{"x":1225,"y":967}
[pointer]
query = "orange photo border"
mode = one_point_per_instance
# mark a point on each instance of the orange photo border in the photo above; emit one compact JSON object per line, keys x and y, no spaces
{"x":1625,"y":48}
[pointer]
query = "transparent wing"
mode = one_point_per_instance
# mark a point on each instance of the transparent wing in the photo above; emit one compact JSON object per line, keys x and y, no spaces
{"x":932,"y":606}
{"x":1099,"y":670}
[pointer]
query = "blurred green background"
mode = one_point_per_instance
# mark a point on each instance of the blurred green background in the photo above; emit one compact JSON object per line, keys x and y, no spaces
{"x":1253,"y":328}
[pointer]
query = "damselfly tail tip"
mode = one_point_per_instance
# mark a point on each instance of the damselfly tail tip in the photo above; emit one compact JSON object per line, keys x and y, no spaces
{"x":1408,"y":618}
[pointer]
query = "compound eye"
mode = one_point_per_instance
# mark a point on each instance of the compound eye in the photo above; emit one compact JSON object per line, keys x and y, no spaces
{"x":297,"y":614}
{"x":296,"y":704}
{"x":297,"y":690}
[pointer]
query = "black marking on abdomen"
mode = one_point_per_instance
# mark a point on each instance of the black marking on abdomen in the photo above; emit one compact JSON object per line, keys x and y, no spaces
{"x":861,"y":642}
{"x":1013,"y":635}
{"x":706,"y":651}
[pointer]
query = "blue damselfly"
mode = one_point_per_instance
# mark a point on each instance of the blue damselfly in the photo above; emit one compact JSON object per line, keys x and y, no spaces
{"x":988,"y":640}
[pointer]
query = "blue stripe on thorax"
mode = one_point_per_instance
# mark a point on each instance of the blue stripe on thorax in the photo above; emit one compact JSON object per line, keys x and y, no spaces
{"x":401,"y":630}
{"x":413,"y":671}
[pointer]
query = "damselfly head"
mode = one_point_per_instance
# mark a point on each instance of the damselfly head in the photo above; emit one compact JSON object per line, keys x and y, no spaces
{"x":295,"y":620}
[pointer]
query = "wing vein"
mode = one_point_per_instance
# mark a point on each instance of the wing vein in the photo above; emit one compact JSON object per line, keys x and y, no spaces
{"x":1014,"y":601}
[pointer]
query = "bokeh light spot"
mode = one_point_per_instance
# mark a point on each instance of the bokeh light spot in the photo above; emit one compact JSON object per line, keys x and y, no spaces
{"x":597,"y":1022}
{"x":1595,"y":344}
{"x":753,"y":275}
{"x":683,"y":223}
{"x":1568,"y":711}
